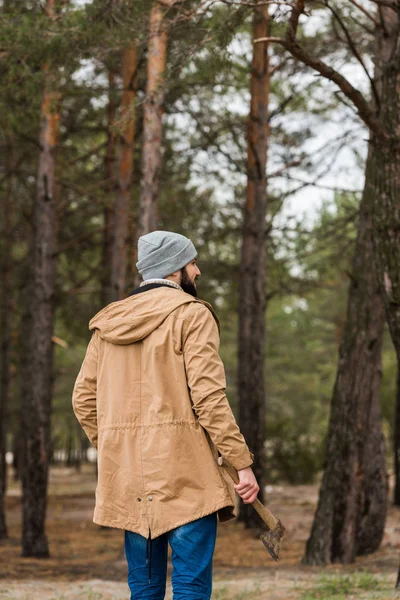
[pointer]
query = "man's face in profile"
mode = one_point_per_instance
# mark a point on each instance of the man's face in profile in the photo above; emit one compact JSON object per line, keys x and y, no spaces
{"x":189,"y":274}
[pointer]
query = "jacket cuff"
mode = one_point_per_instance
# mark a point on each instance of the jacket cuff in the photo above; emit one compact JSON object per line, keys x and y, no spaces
{"x":245,"y":460}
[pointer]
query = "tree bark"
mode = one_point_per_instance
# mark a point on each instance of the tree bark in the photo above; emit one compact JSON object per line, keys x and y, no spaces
{"x":351,"y":510}
{"x":152,"y":120}
{"x":17,"y":454}
{"x":122,"y":211}
{"x":24,"y":335}
{"x":36,"y":407}
{"x":109,"y":164}
{"x":385,"y":187}
{"x":6,"y":313}
{"x":370,"y":524}
{"x":252,"y":295}
{"x":396,"y":443}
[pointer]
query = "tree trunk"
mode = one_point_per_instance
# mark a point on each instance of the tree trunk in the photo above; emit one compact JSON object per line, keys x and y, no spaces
{"x":252,"y":294}
{"x":385,"y":188}
{"x":152,"y":120}
{"x":6,"y":311}
{"x":17,"y":454}
{"x":370,"y":525}
{"x":396,"y":444}
{"x":69,"y":455}
{"x":36,"y":407}
{"x":352,"y":503}
{"x":23,"y":371}
{"x":24,"y":334}
{"x":121,"y":216}
{"x":109,"y":164}
{"x":351,"y":510}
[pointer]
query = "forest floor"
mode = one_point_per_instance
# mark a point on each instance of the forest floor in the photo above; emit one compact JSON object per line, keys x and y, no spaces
{"x":88,"y":563}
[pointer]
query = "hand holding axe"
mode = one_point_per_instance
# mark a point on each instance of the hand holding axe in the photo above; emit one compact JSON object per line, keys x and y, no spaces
{"x":272,"y":539}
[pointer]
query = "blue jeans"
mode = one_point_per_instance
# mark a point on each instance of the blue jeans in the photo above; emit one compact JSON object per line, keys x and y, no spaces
{"x":192,"y":552}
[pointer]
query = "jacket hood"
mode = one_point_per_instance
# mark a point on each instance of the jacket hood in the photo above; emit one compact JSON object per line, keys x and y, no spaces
{"x":134,"y":318}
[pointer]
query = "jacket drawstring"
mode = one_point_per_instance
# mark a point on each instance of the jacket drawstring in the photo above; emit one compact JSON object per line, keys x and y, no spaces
{"x":148,"y":554}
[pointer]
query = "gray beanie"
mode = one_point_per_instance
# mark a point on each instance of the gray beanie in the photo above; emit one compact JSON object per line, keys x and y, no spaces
{"x":161,"y":253}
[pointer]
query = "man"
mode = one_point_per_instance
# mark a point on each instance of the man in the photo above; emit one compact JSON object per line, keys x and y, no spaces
{"x":150,"y":396}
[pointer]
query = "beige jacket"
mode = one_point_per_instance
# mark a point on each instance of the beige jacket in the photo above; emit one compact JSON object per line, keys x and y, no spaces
{"x":150,"y":396}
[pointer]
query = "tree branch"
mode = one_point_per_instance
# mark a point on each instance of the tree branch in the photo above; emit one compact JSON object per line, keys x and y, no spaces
{"x":281,"y":107}
{"x":365,"y":11}
{"x":294,"y":21}
{"x":289,"y":42}
{"x":212,"y":140}
{"x":393,"y":4}
{"x":369,"y":30}
{"x":256,"y":3}
{"x":353,"y":48}
{"x":279,"y":172}
{"x":83,"y":237}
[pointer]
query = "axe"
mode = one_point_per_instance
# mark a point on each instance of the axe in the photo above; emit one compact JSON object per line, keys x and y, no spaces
{"x":271,"y":539}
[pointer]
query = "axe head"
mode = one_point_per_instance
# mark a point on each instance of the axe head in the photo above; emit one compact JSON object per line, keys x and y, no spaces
{"x":272,"y":540}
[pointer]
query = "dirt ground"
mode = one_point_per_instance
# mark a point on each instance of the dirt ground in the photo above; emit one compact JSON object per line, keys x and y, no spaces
{"x":87,"y":562}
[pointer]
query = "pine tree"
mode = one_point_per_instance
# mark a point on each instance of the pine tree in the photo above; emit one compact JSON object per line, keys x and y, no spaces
{"x":36,"y":407}
{"x":252,"y":293}
{"x":352,"y":503}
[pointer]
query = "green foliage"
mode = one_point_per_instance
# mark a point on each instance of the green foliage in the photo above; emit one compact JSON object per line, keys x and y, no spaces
{"x":339,"y":587}
{"x":303,"y":336}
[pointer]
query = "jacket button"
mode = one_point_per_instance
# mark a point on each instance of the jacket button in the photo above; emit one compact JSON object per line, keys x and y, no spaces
{"x":139,"y":499}
{"x":150,"y":498}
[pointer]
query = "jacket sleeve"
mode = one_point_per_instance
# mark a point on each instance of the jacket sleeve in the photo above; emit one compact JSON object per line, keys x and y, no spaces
{"x":84,"y":393}
{"x":206,"y":380}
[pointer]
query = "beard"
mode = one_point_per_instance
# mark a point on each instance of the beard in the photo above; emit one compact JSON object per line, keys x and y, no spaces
{"x":187,"y":285}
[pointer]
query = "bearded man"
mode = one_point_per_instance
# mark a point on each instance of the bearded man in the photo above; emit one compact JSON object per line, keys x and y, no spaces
{"x":150,"y":396}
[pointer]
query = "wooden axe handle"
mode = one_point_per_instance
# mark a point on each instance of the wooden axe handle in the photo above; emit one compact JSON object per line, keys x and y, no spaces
{"x":262,"y":510}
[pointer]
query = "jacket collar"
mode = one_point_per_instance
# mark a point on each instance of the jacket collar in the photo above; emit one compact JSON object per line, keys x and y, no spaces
{"x":145,"y":286}
{"x":162,"y":282}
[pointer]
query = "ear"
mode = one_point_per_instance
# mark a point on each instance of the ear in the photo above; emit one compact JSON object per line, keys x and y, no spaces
{"x":175,"y":276}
